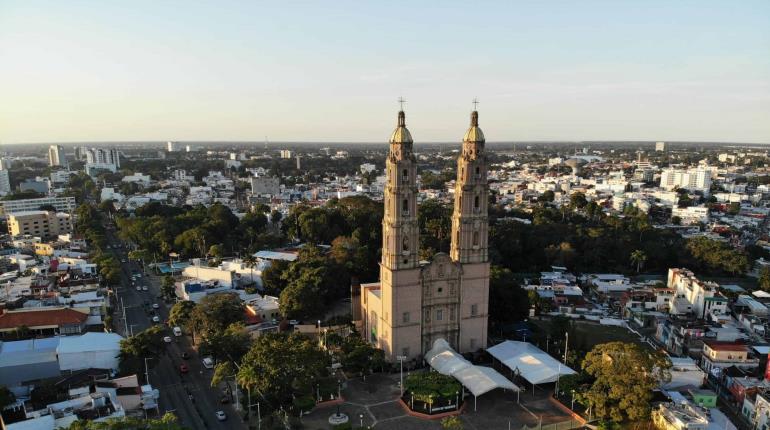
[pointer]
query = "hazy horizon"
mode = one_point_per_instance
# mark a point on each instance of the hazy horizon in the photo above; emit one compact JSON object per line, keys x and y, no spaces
{"x":551,"y":71}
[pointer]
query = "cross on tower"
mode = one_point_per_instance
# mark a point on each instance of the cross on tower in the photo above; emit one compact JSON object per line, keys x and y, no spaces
{"x":401,"y":102}
{"x":475,"y":103}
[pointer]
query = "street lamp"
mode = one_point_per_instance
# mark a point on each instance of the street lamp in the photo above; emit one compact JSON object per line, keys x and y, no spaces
{"x":401,"y":359}
{"x":573,"y":401}
{"x":362,"y":419}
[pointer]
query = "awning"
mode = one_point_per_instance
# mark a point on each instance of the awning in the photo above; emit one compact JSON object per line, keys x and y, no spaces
{"x":477,"y":379}
{"x":529,"y":361}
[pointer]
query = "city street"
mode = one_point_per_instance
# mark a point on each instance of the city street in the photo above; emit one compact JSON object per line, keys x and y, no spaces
{"x":189,"y":396}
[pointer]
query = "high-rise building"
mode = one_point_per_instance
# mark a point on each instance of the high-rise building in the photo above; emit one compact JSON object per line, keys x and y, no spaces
{"x":660,"y":146}
{"x":98,"y":159}
{"x":56,"y":156}
{"x":287,"y":153}
{"x":172,"y":147}
{"x":5,"y":182}
{"x":417,"y":303}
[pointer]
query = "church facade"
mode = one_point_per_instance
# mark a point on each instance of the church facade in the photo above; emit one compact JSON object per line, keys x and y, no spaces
{"x":415,"y":303}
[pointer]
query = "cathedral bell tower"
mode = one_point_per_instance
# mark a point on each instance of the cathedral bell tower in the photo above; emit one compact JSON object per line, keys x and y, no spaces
{"x":470,"y":223}
{"x":400,"y":232}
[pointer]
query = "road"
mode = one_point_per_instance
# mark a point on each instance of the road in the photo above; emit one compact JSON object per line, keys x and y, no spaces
{"x":189,"y":396}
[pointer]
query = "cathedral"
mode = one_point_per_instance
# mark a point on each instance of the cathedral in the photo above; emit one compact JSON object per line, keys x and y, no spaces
{"x":416,"y":303}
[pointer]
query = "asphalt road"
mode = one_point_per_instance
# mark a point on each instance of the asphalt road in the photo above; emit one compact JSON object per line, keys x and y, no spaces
{"x":189,"y":396}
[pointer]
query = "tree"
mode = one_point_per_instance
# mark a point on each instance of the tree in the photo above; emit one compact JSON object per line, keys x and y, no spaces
{"x":230,"y":345}
{"x":625,"y":377}
{"x":280,"y":364}
{"x":168,"y":421}
{"x":578,"y":200}
{"x":764,"y":279}
{"x":508,"y":302}
{"x":302,"y":296}
{"x":133,"y":350}
{"x":275,"y":217}
{"x":638,"y":257}
{"x":273,"y":281}
{"x":180,"y":313}
{"x":167,"y":288}
{"x":6,"y":397}
{"x":215,"y":313}
{"x":452,"y":423}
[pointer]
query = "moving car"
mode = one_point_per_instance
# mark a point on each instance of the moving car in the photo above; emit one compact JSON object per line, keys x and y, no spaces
{"x":183,"y":368}
{"x":144,"y":288}
{"x":138,"y":288}
{"x":155,"y":306}
{"x":177,"y":331}
{"x":221,"y":415}
{"x":208,"y":362}
{"x":156,"y":319}
{"x":167,"y":339}
{"x":185,"y":355}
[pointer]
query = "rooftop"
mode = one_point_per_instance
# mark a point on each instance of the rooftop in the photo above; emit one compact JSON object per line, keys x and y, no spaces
{"x":42,"y":317}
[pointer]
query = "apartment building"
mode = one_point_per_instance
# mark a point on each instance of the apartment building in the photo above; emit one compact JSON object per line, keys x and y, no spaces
{"x":62,"y":204}
{"x":39,"y":223}
{"x":702,"y":296}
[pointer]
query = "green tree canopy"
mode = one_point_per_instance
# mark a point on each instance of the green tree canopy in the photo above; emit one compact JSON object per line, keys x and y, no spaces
{"x":279,"y":364}
{"x":625,"y":376}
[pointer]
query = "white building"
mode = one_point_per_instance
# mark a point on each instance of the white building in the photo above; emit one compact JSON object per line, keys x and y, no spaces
{"x":698,"y":179}
{"x":56,"y":156}
{"x":368,"y":168}
{"x":660,"y":146}
{"x":137,"y":177}
{"x":173,"y":146}
{"x":691,"y":215}
{"x":98,"y":156}
{"x":286,"y":153}
{"x":702,"y":296}
{"x":62,"y":204}
{"x":5,"y":182}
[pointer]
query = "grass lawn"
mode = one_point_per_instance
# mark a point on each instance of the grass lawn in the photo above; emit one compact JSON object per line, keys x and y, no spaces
{"x":584,"y":335}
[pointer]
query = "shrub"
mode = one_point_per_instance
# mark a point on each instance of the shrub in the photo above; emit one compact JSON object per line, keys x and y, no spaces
{"x":427,"y":386}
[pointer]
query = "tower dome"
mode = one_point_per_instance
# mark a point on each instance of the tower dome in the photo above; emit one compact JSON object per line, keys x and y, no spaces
{"x":401,"y":133}
{"x":474,"y":133}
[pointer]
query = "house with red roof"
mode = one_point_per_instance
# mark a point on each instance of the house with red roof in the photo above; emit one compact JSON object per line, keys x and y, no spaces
{"x":726,"y":354}
{"x":43,"y":321}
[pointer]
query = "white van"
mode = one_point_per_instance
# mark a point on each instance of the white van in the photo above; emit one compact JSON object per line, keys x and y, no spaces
{"x":177,"y":331}
{"x":208,"y":362}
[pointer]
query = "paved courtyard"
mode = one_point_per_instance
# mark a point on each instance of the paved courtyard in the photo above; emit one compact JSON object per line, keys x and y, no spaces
{"x":374,"y":403}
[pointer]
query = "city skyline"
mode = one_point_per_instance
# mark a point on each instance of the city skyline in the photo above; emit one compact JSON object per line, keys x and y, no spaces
{"x":85,"y":72}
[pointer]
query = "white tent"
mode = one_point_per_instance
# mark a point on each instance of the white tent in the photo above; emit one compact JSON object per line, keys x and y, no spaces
{"x":532,"y":363}
{"x":477,"y":379}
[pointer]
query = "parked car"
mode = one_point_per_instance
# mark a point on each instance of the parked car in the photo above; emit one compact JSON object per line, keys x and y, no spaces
{"x":183,"y":368}
{"x":138,"y":288}
{"x":167,"y":339}
{"x":144,"y":288}
{"x":155,"y":306}
{"x":185,"y":355}
{"x":156,"y":319}
{"x":177,"y":331}
{"x":221,"y":416}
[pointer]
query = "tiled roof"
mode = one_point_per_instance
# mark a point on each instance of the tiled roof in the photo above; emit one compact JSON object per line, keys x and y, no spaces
{"x":37,"y":318}
{"x":726,"y":346}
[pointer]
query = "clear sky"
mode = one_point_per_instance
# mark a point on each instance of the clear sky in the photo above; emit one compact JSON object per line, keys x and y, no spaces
{"x":333,"y":70}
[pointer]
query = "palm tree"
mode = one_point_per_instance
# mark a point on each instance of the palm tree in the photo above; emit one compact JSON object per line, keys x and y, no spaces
{"x":638,"y":257}
{"x":250,"y":262}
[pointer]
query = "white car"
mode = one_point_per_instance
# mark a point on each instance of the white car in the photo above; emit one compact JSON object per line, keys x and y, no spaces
{"x":138,"y":288}
{"x":156,"y":319}
{"x":221,"y":415}
{"x":155,"y":306}
{"x":167,"y":339}
{"x":144,"y":288}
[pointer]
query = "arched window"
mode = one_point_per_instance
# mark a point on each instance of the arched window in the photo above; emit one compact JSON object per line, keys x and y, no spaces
{"x":475,"y":238}
{"x":478,"y":172}
{"x":405,"y":206}
{"x":405,"y":175}
{"x":476,"y":202}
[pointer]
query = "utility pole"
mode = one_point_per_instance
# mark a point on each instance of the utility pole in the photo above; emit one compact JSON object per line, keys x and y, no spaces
{"x":146,"y":371}
{"x":566,"y":346}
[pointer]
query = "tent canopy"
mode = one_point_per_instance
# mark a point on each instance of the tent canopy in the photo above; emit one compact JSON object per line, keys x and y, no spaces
{"x":532,"y":363}
{"x":477,"y":379}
